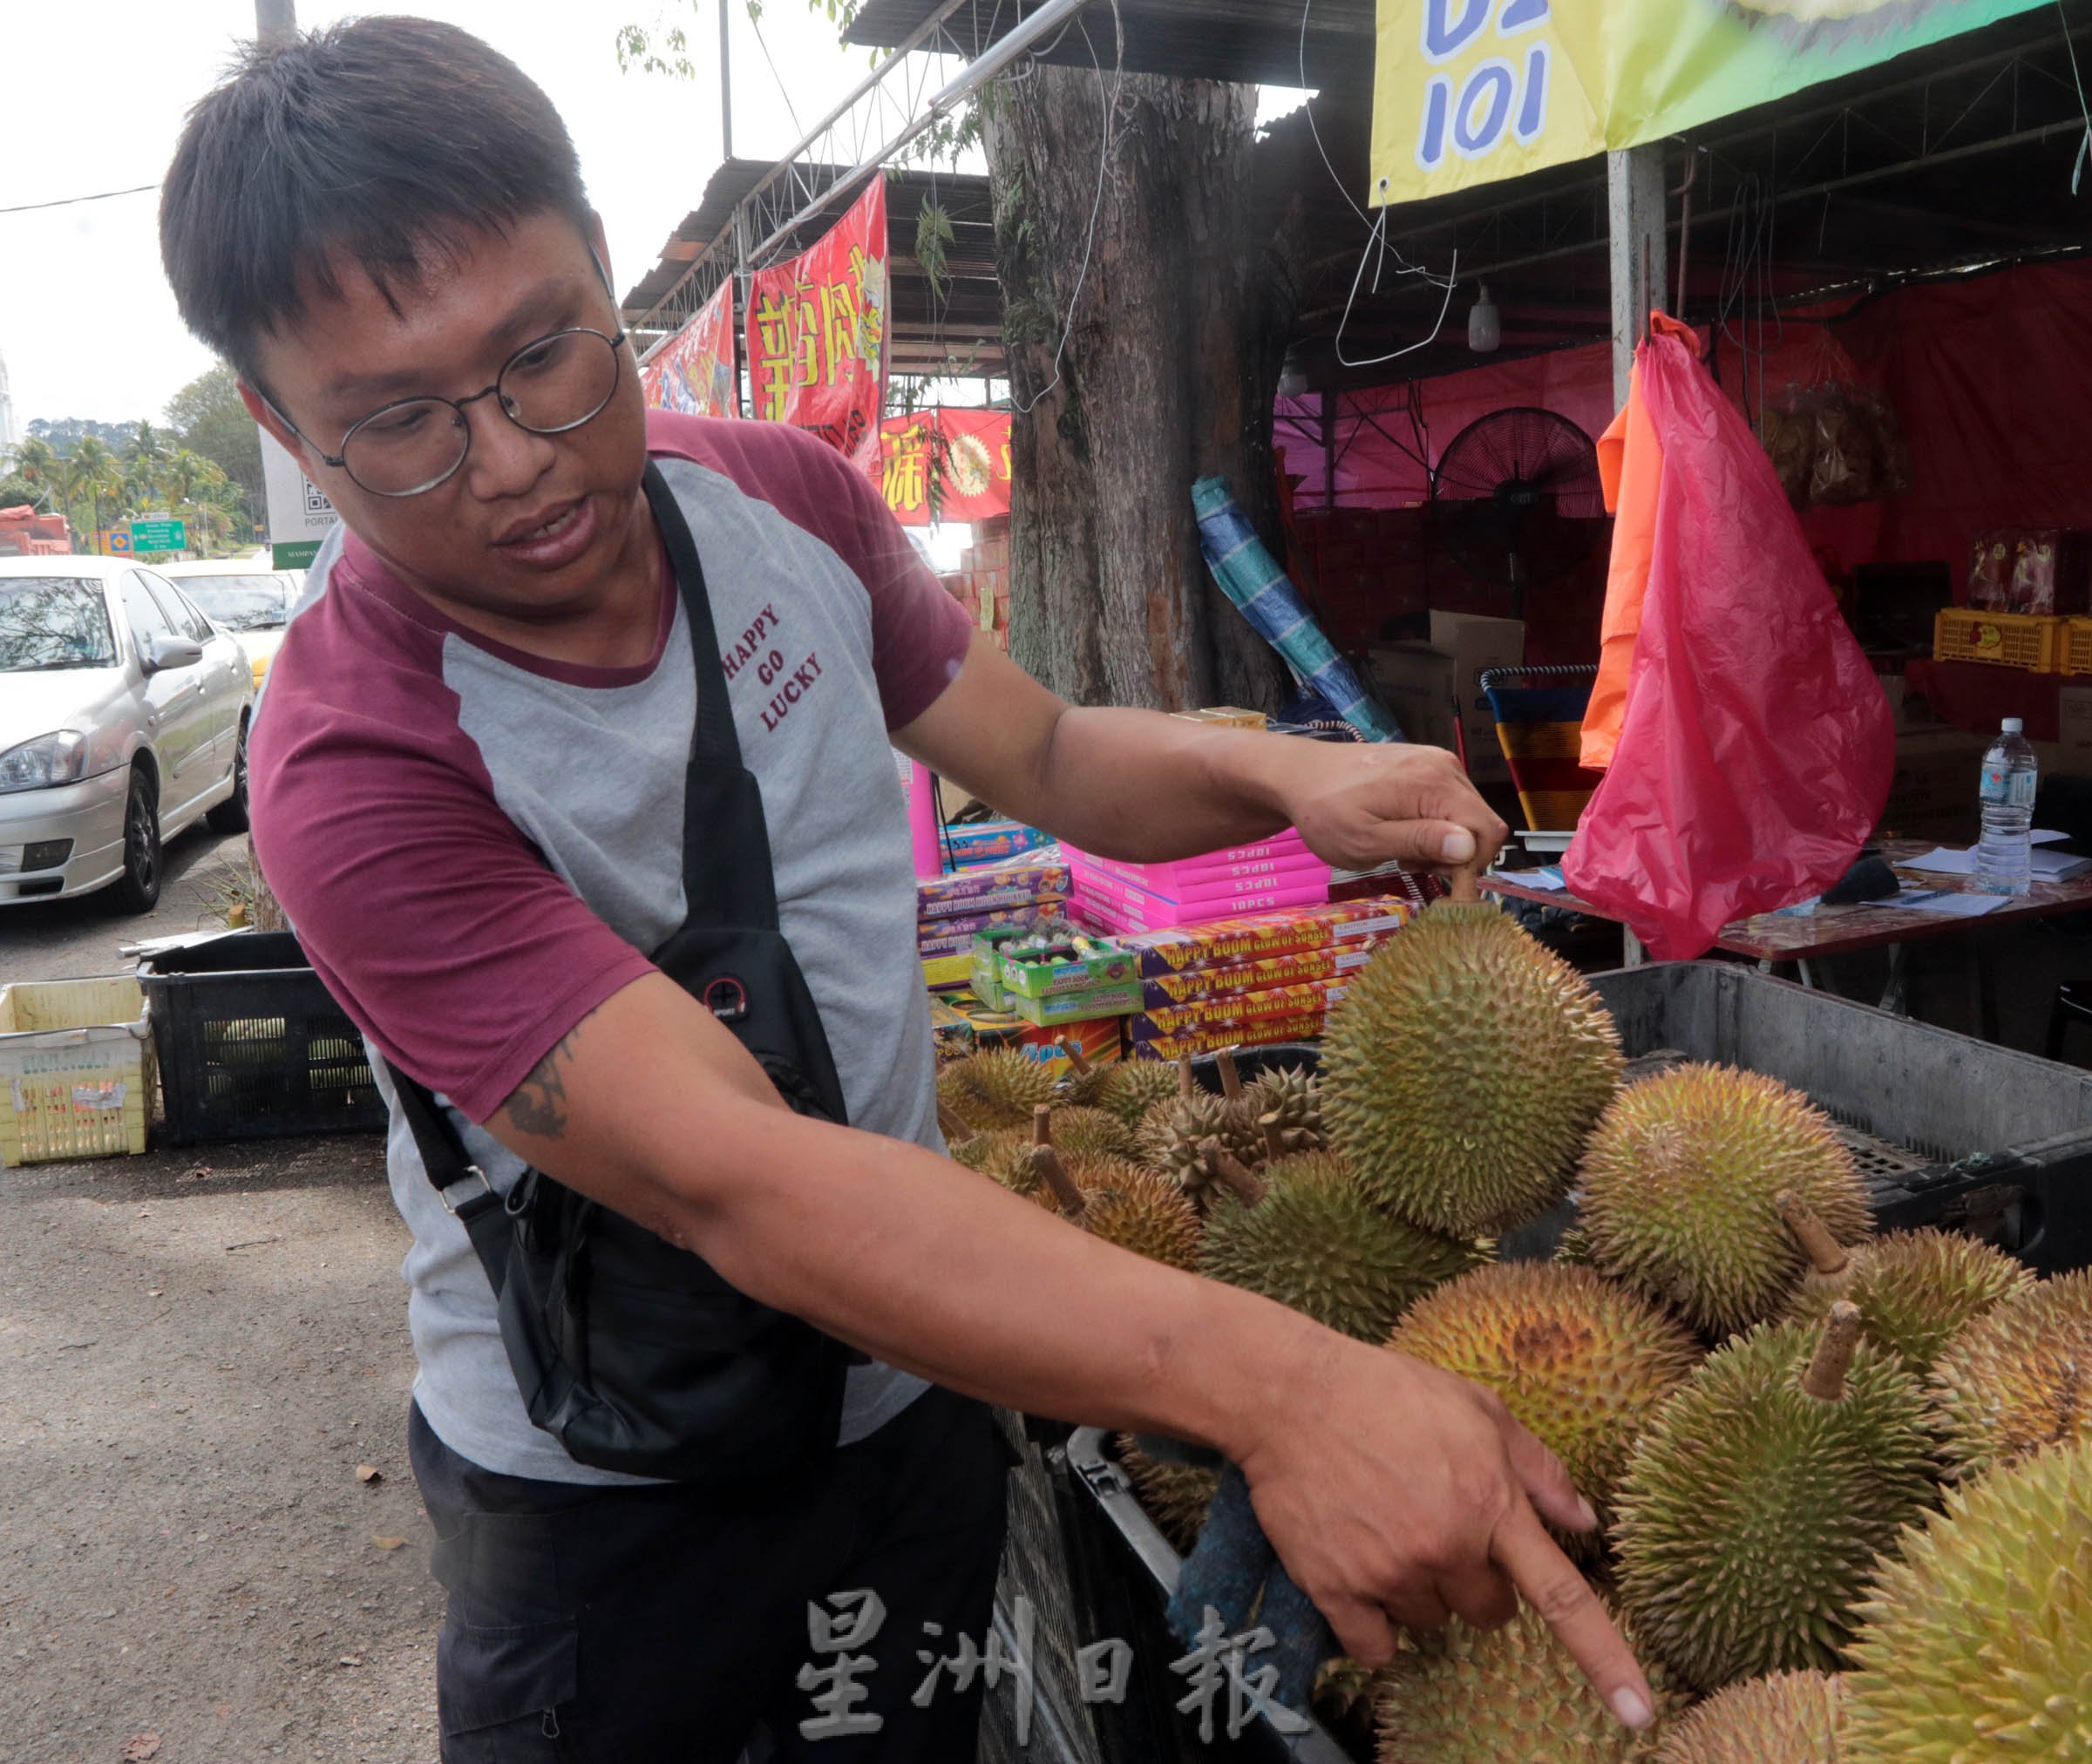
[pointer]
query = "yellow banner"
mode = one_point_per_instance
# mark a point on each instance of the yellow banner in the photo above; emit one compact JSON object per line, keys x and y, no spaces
{"x":1467,"y":91}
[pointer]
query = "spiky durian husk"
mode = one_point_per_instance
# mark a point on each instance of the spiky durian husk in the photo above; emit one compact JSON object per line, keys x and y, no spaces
{"x":1081,"y":1090}
{"x":1581,"y":1361}
{"x":992,"y":1154}
{"x":1091,"y":1132}
{"x":1171,"y":1136}
{"x":1751,"y":1513}
{"x":1680,"y":1186}
{"x":997,"y":1088}
{"x":1915,"y":1290}
{"x":1463,"y":1069}
{"x":1126,"y":1204}
{"x":2018,"y":1378}
{"x":1977,"y":1643}
{"x":1574,"y":1249}
{"x":1513,"y":1695}
{"x":1174,"y":1496}
{"x":1296,"y":1097}
{"x":1133,"y":1087}
{"x":1316,"y":1243}
{"x":1790,"y":1718}
{"x":1342,"y":1699}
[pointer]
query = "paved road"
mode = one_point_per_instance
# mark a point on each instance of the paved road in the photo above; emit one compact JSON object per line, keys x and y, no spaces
{"x":67,"y":940}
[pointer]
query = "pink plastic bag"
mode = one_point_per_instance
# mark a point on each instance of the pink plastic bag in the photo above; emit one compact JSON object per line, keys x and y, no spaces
{"x":1757,"y":748}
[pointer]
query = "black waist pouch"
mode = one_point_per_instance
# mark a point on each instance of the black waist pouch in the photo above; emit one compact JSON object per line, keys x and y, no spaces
{"x":636,"y":1355}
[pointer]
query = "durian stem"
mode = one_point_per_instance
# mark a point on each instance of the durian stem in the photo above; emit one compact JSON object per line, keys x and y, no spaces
{"x":1054,"y":1174}
{"x":1231,"y":1080}
{"x":1240,"y":1181}
{"x":1078,"y":1058}
{"x":1188,"y":1085}
{"x":1825,"y":1378}
{"x":955,"y":1130}
{"x":1462,"y":886}
{"x":1041,"y":1125}
{"x":1274,"y":1136}
{"x":1823,"y":1251}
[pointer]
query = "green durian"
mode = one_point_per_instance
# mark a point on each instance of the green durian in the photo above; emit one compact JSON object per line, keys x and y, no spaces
{"x":1754,"y":1505}
{"x":1173,"y":1137}
{"x":1312,"y":1241}
{"x":1508,"y":1696}
{"x":2018,"y":1378}
{"x":996,"y":1089}
{"x":1680,"y":1188}
{"x":993,"y":1153}
{"x":1789,"y":1717}
{"x":1133,"y":1087}
{"x":1464,"y":1071}
{"x":1174,"y":1496}
{"x":1976,"y":1643}
{"x":1122,"y":1202}
{"x":1288,"y":1101}
{"x":1581,"y":1362}
{"x":1915,"y":1290}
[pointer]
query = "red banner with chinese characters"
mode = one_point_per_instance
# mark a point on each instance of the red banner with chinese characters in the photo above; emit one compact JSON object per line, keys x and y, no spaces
{"x":817,"y":334}
{"x":946,"y":465}
{"x":693,"y":372}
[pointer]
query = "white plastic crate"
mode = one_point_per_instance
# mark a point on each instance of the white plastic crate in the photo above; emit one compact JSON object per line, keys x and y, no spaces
{"x":75,"y":1070}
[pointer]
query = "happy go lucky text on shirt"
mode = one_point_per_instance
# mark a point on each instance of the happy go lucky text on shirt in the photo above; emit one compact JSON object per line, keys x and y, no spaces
{"x":792,"y":682}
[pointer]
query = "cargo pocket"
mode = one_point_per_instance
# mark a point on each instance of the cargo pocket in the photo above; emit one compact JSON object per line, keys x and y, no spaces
{"x":505,"y":1696}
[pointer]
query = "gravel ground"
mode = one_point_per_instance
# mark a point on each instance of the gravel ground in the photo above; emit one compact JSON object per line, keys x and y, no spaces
{"x":198,"y":1347}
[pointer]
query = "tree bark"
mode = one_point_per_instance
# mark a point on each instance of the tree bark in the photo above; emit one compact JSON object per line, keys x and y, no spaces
{"x":1168,"y":373}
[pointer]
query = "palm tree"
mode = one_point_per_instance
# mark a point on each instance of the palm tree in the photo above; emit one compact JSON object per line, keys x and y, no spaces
{"x":91,"y":470}
{"x":35,"y":461}
{"x":145,"y":462}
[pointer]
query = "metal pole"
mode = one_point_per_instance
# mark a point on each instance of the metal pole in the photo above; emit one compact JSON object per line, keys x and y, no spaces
{"x":276,"y":21}
{"x":726,"y":83}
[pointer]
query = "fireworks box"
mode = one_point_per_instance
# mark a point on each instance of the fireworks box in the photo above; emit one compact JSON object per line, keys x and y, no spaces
{"x":1238,"y":1011}
{"x":1093,"y":963}
{"x":962,"y":1025}
{"x":1266,"y":936}
{"x":1166,"y":991}
{"x":1023,"y":881}
{"x":1113,"y":899}
{"x":1264,"y":858}
{"x":992,"y":842}
{"x":1119,"y":1000}
{"x":1262,"y":1032}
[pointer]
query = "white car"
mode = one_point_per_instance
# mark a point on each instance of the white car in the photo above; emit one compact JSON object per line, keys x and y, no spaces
{"x":247,"y":596}
{"x":123,"y":720}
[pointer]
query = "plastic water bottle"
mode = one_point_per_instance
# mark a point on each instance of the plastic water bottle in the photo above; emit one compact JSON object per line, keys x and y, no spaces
{"x":2003,"y":865}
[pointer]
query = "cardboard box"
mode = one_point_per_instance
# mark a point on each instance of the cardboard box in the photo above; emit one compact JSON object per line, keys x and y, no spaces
{"x":1420,"y":683}
{"x":1932,"y":795}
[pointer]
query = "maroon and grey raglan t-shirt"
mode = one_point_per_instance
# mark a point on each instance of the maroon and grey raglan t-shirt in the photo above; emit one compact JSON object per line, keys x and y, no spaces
{"x":477,"y":846}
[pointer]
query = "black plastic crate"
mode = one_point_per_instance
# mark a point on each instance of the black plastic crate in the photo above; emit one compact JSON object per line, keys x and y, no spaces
{"x":252,"y":1046}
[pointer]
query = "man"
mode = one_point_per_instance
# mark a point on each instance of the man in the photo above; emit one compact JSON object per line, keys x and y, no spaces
{"x":468,"y":783}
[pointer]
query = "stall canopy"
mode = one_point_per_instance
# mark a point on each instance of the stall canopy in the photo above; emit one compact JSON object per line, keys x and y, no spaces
{"x":1469,"y":92}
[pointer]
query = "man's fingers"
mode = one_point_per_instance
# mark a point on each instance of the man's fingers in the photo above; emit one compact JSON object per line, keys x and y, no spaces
{"x":1426,"y":845}
{"x":1481,"y":1598}
{"x":1564,"y":1600}
{"x":1419,"y":1611}
{"x":1546,"y":1482}
{"x":1363,"y":1631}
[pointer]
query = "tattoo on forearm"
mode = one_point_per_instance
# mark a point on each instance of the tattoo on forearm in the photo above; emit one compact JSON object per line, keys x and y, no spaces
{"x":538,"y":1105}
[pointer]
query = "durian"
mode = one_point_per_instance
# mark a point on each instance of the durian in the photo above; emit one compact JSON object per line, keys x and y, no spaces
{"x":993,"y":1153}
{"x":1914,"y":1289}
{"x":1790,"y":1718}
{"x":1681,"y":1187}
{"x":1303,"y":1233}
{"x":1172,"y":1138}
{"x":996,"y":1089}
{"x":1083,"y":1084}
{"x":1288,"y":1103}
{"x":1463,"y":1069}
{"x":1977,"y":1643}
{"x":1754,"y":1506}
{"x":1133,"y":1087}
{"x":1122,"y":1202}
{"x":1174,"y":1496}
{"x":1508,"y":1696}
{"x":2018,"y":1378}
{"x":1581,"y":1362}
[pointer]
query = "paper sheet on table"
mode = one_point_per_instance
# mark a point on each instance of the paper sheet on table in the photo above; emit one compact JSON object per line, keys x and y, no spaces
{"x":2046,"y":835}
{"x":1550,"y":879}
{"x":1944,"y":901}
{"x":2054,"y":866}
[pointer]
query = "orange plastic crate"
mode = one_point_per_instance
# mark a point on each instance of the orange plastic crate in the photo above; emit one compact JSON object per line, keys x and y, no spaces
{"x":2010,"y":640}
{"x":2078,"y":646}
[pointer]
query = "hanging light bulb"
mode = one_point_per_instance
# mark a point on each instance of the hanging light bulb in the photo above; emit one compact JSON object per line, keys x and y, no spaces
{"x":1484,"y":325}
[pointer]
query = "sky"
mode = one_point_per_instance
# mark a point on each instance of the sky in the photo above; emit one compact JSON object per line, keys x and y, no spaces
{"x":87,"y":323}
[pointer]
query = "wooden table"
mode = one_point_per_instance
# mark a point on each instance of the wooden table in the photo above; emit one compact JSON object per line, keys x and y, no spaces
{"x":1771,"y":939}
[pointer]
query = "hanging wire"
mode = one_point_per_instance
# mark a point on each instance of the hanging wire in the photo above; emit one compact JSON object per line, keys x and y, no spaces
{"x":1111,"y":100}
{"x":2084,"y":147}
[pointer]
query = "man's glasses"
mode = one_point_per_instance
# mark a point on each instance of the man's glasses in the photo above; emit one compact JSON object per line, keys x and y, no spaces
{"x":547,"y":387}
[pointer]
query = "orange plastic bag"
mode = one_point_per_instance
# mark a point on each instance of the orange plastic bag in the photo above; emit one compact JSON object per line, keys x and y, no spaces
{"x":1756,"y":751}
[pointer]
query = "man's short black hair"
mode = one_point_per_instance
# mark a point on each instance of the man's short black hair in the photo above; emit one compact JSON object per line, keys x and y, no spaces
{"x":379,"y":142}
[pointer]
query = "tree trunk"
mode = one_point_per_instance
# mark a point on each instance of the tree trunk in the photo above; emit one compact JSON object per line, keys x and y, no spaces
{"x":1168,"y":375}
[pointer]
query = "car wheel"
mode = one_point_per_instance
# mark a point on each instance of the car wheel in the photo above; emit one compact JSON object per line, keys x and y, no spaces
{"x":138,"y":888}
{"x":230,"y":816}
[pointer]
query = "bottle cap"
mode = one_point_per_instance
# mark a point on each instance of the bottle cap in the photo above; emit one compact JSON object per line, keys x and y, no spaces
{"x":2016,"y":725}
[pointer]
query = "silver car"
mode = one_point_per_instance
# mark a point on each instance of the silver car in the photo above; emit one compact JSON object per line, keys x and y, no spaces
{"x":123,"y":720}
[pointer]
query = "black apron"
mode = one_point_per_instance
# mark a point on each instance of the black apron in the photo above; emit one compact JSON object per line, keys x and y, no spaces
{"x":634,"y":1354}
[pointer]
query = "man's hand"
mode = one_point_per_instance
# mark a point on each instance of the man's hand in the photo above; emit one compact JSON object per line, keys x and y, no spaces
{"x":1358,"y":806}
{"x":1396,"y":1492}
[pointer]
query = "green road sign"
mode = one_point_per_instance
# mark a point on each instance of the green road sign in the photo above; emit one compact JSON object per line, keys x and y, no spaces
{"x":296,"y":555}
{"x":159,"y":535}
